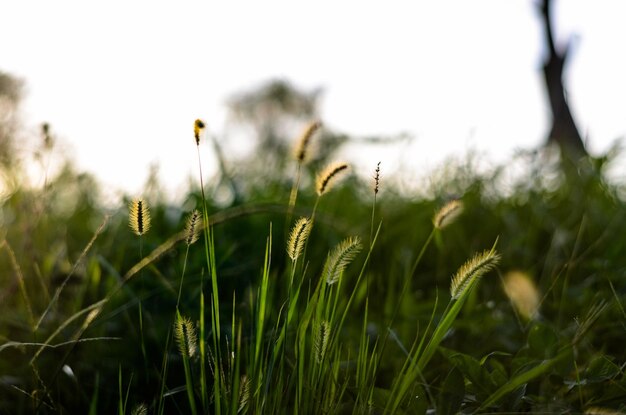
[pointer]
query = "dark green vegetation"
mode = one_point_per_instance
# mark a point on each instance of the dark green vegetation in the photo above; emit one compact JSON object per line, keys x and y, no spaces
{"x":87,"y":327}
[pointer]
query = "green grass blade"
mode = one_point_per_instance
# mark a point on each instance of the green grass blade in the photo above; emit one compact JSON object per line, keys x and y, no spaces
{"x":261,"y":306}
{"x":203,"y":356}
{"x":93,"y":405}
{"x":525,"y":377}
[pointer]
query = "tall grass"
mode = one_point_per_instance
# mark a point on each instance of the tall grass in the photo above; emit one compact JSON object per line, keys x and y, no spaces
{"x":366,"y":303}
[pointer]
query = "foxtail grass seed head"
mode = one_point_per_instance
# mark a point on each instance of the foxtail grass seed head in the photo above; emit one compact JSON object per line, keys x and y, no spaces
{"x":139,"y":216}
{"x":340,"y":258}
{"x":192,"y":229}
{"x":91,"y":317}
{"x":140,"y":409}
{"x":297,"y":239}
{"x":320,"y":340}
{"x":198,"y":126}
{"x":244,"y":392}
{"x":448,"y":214}
{"x":186,"y":337}
{"x":377,"y":179}
{"x":472,"y":270}
{"x":523,"y":293}
{"x":328,"y":177}
{"x":301,"y":151}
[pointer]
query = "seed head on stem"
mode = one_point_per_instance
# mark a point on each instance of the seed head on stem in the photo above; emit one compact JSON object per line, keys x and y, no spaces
{"x":198,"y":126}
{"x":472,"y":270}
{"x":186,"y":336}
{"x":340,"y":258}
{"x":192,"y":229}
{"x":448,"y":214}
{"x":328,"y":177}
{"x":377,"y":179}
{"x":301,"y":151}
{"x":297,"y":239}
{"x":139,"y":216}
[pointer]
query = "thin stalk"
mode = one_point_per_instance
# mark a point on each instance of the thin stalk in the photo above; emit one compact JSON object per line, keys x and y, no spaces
{"x":202,"y":341}
{"x":22,"y":287}
{"x":421,"y":254}
{"x":143,"y":343}
{"x":317,"y":201}
{"x":372,"y":221}
{"x":164,"y":366}
{"x":182,"y":278}
{"x":120,"y":402}
{"x":293,"y":196}
{"x":215,"y":305}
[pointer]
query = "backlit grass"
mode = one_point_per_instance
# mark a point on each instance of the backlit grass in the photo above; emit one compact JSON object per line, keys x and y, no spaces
{"x":315,"y":295}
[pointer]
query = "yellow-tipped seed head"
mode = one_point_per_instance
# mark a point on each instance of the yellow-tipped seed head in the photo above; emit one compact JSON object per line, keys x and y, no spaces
{"x":472,"y":270}
{"x":328,"y":177}
{"x":448,"y":214}
{"x":298,"y":236}
{"x":301,"y":151}
{"x":523,"y":293}
{"x":186,"y":337}
{"x":192,"y":229}
{"x":139,"y":216}
{"x":340,"y":258}
{"x":198,"y":126}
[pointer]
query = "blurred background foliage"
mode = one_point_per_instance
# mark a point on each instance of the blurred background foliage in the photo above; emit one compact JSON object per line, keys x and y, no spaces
{"x":563,"y":228}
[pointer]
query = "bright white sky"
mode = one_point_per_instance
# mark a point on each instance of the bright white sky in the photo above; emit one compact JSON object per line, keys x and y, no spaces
{"x":122,"y":81}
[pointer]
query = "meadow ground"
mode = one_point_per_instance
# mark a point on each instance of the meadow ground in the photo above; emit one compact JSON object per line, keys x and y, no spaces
{"x":311,"y":291}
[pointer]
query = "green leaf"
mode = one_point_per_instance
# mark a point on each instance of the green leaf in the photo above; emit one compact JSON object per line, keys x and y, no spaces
{"x":417,"y":402}
{"x":452,"y":393}
{"x":523,"y":378}
{"x":601,"y":368}
{"x":542,"y":341}
{"x":498,"y":373}
{"x":471,"y":368}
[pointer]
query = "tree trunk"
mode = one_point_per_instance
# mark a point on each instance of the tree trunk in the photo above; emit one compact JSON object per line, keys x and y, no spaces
{"x":563,"y":131}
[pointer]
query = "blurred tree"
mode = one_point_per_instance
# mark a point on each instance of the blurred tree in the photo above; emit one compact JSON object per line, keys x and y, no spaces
{"x":275,"y":113}
{"x":271,"y":111}
{"x":563,"y":131}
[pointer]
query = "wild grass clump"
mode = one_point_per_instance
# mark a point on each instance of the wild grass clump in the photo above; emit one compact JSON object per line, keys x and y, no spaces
{"x":325,"y":301}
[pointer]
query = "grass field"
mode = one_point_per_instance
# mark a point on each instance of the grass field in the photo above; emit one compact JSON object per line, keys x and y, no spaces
{"x":314,"y":292}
